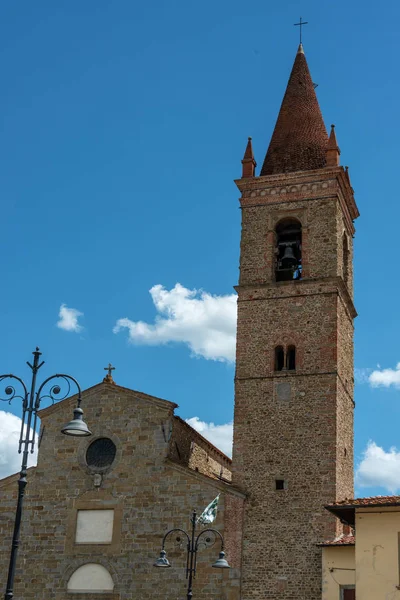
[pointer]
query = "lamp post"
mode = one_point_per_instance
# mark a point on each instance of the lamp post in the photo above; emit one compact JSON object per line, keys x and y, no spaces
{"x":191,"y":552}
{"x":30,"y":407}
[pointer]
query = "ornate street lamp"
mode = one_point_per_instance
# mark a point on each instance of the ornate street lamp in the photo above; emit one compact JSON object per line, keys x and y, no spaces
{"x":191,"y":552}
{"x":30,"y":407}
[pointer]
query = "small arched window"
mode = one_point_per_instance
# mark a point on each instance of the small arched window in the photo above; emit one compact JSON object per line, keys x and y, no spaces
{"x":90,"y":578}
{"x":288,"y":250}
{"x":345,"y":259}
{"x":279,"y":358}
{"x":291,"y":358}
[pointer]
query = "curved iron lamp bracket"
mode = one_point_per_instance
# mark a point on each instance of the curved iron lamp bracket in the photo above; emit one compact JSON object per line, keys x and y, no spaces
{"x":215,"y":531}
{"x":12,"y":392}
{"x":175,"y":531}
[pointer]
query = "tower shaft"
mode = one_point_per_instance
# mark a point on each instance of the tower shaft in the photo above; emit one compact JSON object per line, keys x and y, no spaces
{"x":293,"y":427}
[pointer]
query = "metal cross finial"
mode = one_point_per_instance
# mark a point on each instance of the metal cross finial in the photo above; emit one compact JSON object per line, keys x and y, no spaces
{"x":110,"y":368}
{"x":301,"y":25}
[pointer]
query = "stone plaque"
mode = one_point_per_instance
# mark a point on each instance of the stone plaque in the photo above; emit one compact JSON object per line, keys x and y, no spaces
{"x":283,"y":390}
{"x":94,"y":527}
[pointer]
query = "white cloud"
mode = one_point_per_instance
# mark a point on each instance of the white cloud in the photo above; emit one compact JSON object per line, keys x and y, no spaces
{"x":205,"y":323}
{"x":69,"y":319}
{"x":10,"y":460}
{"x":379,"y":468}
{"x":362,"y":375}
{"x":219,"y":435}
{"x":385,"y":377}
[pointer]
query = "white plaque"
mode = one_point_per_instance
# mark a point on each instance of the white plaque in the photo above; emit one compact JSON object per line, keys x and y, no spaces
{"x":91,"y":577}
{"x":94,"y":526}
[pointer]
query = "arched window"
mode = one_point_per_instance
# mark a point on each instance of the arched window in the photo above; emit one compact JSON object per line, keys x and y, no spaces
{"x":288,"y":250}
{"x":90,"y":578}
{"x":279,"y":358}
{"x":345,"y":259}
{"x":291,"y":358}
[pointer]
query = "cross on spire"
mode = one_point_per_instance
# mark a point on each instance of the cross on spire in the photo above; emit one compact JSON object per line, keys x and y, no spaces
{"x":109,"y":377}
{"x":301,"y":25}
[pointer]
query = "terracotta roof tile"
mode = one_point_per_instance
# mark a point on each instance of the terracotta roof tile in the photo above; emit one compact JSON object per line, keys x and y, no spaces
{"x":343,"y":540}
{"x":345,"y":509}
{"x":369,"y":501}
{"x":300,"y":139}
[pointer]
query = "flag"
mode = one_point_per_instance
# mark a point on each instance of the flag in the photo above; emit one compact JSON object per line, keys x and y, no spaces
{"x":209,"y":513}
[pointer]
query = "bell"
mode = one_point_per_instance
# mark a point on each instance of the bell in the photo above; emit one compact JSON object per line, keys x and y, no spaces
{"x":162,"y":561}
{"x":221,"y":563}
{"x":288,"y":260}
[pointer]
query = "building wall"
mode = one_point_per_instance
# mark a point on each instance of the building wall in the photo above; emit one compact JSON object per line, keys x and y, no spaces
{"x":338,"y":569}
{"x":187,"y":447}
{"x":292,"y":425}
{"x":377,"y":554}
{"x":345,"y":260}
{"x":149,"y":493}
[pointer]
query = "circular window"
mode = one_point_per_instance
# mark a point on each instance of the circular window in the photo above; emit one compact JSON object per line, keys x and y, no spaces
{"x":101,"y":453}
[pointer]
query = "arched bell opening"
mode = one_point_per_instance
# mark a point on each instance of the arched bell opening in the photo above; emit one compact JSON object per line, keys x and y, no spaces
{"x":288,"y":250}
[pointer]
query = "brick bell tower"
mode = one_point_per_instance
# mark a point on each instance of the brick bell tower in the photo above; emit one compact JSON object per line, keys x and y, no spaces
{"x":293,"y":427}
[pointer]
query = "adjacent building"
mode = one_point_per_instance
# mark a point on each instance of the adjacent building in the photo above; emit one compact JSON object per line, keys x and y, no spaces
{"x":368,"y":562}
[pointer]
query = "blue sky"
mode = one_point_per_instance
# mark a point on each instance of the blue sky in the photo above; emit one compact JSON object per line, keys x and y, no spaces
{"x":123,"y":127}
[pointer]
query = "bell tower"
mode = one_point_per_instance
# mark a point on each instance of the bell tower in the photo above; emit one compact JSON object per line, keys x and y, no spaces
{"x":293,"y":426}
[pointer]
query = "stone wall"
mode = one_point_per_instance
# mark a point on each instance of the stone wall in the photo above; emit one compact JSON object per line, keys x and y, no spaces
{"x":293,"y":429}
{"x":148,"y":492}
{"x":187,"y":447}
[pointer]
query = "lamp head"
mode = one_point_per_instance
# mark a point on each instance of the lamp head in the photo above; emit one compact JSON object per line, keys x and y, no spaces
{"x":221,"y":563}
{"x":162,"y":561}
{"x":77,"y":427}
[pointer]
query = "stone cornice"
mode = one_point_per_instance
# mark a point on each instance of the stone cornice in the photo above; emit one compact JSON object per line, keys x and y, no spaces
{"x":298,"y":288}
{"x":327,"y":183}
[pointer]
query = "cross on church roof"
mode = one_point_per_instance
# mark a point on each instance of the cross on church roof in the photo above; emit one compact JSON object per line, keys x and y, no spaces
{"x":109,"y":378}
{"x":109,"y":369}
{"x":301,"y":25}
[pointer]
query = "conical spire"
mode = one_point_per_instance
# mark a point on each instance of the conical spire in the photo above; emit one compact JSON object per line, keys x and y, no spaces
{"x":248,"y":154}
{"x":332,"y":144}
{"x":248,"y":162}
{"x":300,"y":139}
{"x":332,"y":150}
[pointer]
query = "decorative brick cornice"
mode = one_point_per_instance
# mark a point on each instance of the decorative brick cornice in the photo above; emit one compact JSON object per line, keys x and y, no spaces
{"x":329,"y":183}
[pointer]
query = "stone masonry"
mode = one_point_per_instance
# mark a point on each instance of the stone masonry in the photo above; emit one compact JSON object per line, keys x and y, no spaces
{"x":163,"y":470}
{"x":294,"y":428}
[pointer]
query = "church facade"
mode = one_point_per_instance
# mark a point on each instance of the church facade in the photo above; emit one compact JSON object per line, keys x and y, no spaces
{"x":97,"y":507}
{"x":96,"y":510}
